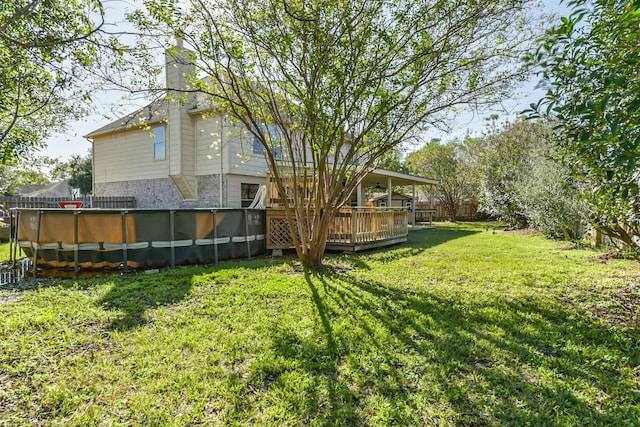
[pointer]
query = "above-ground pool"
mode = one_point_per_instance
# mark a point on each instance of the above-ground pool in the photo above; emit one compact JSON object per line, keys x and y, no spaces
{"x":137,"y":238}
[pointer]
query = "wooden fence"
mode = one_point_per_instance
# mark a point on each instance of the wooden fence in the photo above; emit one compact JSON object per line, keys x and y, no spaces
{"x":467,"y":211}
{"x":105,"y":202}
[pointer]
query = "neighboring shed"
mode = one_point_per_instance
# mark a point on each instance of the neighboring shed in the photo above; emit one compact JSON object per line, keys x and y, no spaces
{"x":398,"y":200}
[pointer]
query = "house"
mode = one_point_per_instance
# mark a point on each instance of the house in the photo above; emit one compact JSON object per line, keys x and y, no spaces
{"x":171,"y":154}
{"x":189,"y":154}
{"x":54,"y":189}
{"x":174,"y":157}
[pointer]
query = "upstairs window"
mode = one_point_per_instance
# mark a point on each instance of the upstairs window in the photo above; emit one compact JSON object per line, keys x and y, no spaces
{"x":274,"y":139}
{"x":257,"y":146}
{"x":158,"y":143}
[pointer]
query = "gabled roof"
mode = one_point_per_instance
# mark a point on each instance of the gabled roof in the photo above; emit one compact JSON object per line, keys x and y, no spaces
{"x":153,"y":113}
{"x":55,"y":189}
{"x":156,"y":112}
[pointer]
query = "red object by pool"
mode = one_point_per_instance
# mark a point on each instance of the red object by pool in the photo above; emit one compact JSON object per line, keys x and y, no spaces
{"x":74,"y":204}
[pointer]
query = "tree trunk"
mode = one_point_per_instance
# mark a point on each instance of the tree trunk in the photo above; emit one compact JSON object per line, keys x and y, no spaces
{"x":453,"y":214}
{"x":452,"y":210}
{"x":311,"y":255}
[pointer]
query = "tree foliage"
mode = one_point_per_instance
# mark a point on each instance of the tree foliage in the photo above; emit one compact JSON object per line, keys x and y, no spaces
{"x":505,"y":166}
{"x":523,"y":185}
{"x":590,"y":63}
{"x":78,"y":171}
{"x":42,"y":170}
{"x":44,"y":47}
{"x":16,"y":172}
{"x":340,"y":83}
{"x":447,"y":164}
{"x":392,"y":161}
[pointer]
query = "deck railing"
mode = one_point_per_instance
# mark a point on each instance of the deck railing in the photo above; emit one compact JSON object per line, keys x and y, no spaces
{"x":350,"y":227}
{"x":366,"y":225}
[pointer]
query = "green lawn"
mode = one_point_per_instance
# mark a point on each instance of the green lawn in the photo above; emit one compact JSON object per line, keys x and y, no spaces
{"x":462,"y":325}
{"x":5,"y":251}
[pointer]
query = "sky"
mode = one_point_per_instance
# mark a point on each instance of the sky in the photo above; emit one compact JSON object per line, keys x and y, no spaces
{"x":108,"y":104}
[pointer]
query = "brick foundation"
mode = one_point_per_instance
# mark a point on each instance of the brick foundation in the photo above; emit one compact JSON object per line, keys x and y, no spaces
{"x":162,"y":193}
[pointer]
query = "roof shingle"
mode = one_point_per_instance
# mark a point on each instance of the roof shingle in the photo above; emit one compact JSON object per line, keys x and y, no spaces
{"x":152,"y":113}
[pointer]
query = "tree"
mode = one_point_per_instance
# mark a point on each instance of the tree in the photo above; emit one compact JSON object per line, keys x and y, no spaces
{"x":18,"y":172}
{"x":504,"y":168}
{"x":589,"y":64}
{"x":44,"y":47}
{"x":329,"y":86}
{"x":445,"y":163}
{"x":550,"y":200}
{"x":392,"y":161}
{"x":78,"y":170}
{"x":523,"y":185}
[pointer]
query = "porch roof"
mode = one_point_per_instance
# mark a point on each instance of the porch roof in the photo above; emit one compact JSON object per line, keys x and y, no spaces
{"x":381,"y":176}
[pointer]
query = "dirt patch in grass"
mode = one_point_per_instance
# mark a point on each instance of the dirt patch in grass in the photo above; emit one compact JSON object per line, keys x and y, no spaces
{"x":610,"y":256}
{"x":619,"y":306}
{"x":523,"y":231}
{"x":6,"y":298}
{"x":624,"y":309}
{"x":607,"y":257}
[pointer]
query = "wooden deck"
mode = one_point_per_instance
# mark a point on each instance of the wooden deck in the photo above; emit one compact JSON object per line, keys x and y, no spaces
{"x":353,"y":229}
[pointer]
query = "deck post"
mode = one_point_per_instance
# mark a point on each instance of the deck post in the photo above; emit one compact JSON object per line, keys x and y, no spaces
{"x":13,"y":240}
{"x":413,"y":205}
{"x":354,"y":225}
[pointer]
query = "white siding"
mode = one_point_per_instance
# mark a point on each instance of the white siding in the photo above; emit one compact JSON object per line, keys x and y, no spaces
{"x":210,"y":136}
{"x":217,"y":137}
{"x":126,"y":156}
{"x":242,"y":160}
{"x":233,"y":188}
{"x":180,"y":147}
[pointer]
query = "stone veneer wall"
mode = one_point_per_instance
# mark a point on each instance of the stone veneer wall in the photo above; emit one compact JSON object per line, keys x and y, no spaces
{"x":162,"y":193}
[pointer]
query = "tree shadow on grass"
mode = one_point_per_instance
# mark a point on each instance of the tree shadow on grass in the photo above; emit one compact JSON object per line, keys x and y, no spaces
{"x":417,"y":242}
{"x":134,"y":295}
{"x":342,"y":400}
{"x":426,"y":238}
{"x":324,"y":398}
{"x":132,"y":298}
{"x":510,"y":362}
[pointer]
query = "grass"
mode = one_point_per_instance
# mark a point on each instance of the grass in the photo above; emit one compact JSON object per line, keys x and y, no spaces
{"x":463,"y":325}
{"x":5,"y":251}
